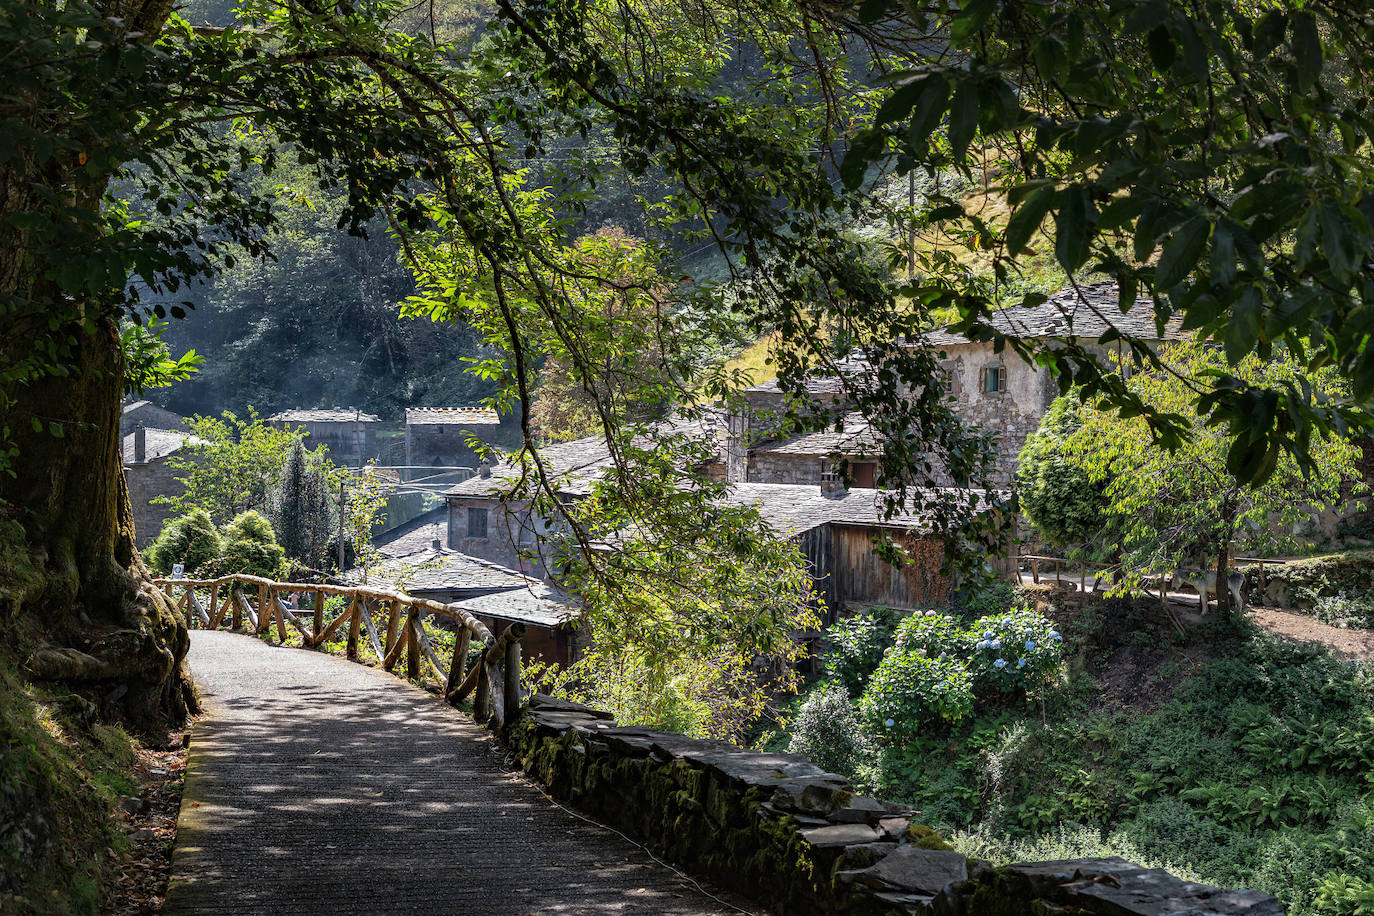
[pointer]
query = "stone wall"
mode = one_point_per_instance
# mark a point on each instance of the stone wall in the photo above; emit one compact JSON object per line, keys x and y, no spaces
{"x":146,"y":481}
{"x":779,"y":467}
{"x":782,"y":832}
{"x":505,"y":536}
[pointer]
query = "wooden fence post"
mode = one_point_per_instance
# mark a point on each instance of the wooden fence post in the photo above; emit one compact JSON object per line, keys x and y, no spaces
{"x":355,"y":622}
{"x":412,"y":646}
{"x":456,"y":671}
{"x":265,"y":614}
{"x":319,"y":612}
{"x":238,"y":608}
{"x":481,"y":700}
{"x":512,"y":686}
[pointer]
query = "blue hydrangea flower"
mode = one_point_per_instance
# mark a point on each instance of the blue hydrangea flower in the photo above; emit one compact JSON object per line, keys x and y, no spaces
{"x":995,"y":644}
{"x":890,"y":722}
{"x":1030,"y":645}
{"x":1054,"y":634}
{"x":1000,"y":663}
{"x":1021,"y":663}
{"x":988,"y":634}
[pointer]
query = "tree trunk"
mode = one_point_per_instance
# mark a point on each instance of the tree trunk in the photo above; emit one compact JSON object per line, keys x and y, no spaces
{"x":76,"y":604}
{"x":88,"y":615}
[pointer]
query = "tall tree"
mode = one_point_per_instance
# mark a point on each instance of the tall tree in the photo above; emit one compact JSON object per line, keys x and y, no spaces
{"x":301,"y":509}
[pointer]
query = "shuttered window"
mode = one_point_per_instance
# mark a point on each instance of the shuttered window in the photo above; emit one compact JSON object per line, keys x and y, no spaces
{"x":994,"y":379}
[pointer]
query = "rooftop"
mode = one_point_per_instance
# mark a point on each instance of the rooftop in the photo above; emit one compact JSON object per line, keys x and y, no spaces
{"x":1086,"y":312}
{"x":793,"y":509}
{"x":430,"y":570}
{"x":324,"y":415}
{"x":856,"y":438}
{"x":157,"y":443}
{"x":452,"y":416}
{"x":540,"y":604}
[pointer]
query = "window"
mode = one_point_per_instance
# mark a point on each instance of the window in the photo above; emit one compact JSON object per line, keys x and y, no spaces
{"x":477,"y":523}
{"x":949,"y":381}
{"x":994,"y":379}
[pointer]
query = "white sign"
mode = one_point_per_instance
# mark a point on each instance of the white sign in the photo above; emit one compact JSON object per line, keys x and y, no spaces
{"x":177,"y":570}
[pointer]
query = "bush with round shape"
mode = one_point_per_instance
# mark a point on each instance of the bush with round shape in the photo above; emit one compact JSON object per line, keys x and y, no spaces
{"x":910,"y":691}
{"x":938,"y":635}
{"x":1013,"y":652}
{"x":250,"y":547}
{"x":190,"y":540}
{"x":856,"y":647}
{"x":826,"y":730}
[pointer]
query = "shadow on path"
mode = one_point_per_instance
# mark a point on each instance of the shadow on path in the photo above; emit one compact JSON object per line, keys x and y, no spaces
{"x":317,"y":785}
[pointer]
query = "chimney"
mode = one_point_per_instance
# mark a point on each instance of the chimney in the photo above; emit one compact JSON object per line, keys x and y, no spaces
{"x":484,"y":469}
{"x":436,"y":544}
{"x":140,"y":444}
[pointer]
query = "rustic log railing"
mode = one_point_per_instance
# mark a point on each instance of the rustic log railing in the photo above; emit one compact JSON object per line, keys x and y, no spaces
{"x":493,"y":680}
{"x":1058,"y":564}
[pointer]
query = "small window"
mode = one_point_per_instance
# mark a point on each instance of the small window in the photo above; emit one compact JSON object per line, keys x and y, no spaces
{"x":477,"y":523}
{"x":949,"y":381}
{"x":994,"y":379}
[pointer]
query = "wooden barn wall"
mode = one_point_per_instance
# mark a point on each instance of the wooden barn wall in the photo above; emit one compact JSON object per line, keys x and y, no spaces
{"x":815,"y":546}
{"x":863,"y":578}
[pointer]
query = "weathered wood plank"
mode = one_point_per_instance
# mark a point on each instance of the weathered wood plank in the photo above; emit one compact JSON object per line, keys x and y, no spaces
{"x":427,"y":648}
{"x":319,"y":613}
{"x":372,"y":632}
{"x":244,"y":608}
{"x":393,"y":621}
{"x":334,"y":625}
{"x":354,"y":623}
{"x":456,"y":671}
{"x":511,"y":693}
{"x":412,"y":647}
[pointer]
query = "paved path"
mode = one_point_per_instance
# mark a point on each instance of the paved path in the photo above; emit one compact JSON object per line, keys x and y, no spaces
{"x":317,"y":785}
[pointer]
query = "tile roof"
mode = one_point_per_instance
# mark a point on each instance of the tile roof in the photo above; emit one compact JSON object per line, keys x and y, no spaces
{"x":582,"y":461}
{"x":540,"y":604}
{"x":822,"y":382}
{"x":157,"y":443}
{"x":418,"y":534}
{"x":451,"y":416}
{"x":857,"y":438}
{"x":324,"y":415}
{"x":430,"y":570}
{"x":793,"y":509}
{"x":1086,"y":312}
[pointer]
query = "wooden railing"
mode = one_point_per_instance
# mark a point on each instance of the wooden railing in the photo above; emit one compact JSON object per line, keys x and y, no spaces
{"x":1058,"y":565}
{"x":493,"y":681}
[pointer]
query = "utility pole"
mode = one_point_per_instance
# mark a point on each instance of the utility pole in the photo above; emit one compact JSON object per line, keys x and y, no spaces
{"x":342,"y":497}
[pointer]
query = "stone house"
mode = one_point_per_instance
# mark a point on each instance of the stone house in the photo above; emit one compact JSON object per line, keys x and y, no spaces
{"x":144,"y":453}
{"x":1006,"y":396}
{"x":494,"y":594}
{"x":348,"y":433}
{"x":439,"y":436}
{"x":835,"y":528}
{"x":146,"y":413}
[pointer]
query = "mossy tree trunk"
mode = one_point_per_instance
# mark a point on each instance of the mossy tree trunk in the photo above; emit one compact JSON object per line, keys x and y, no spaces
{"x":75,"y":599}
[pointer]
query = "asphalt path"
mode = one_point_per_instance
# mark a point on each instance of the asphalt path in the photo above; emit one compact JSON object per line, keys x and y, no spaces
{"x":319,"y":785}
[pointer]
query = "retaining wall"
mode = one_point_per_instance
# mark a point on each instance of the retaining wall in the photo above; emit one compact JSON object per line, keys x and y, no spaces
{"x":783,"y":832}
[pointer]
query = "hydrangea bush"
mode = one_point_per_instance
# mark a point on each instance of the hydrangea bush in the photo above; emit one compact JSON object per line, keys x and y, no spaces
{"x":937,"y":669}
{"x":910,"y":690}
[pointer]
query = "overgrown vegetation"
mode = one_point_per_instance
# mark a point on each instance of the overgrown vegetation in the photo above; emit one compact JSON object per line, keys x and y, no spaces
{"x":1235,"y":758}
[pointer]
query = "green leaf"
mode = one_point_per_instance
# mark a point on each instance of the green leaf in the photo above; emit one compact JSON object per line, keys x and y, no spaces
{"x":1269,"y":33}
{"x":971,"y":19}
{"x":1243,"y":328}
{"x":1161,"y":45}
{"x":963,"y":117}
{"x":1028,"y":218}
{"x":929,"y":109}
{"x":1307,"y":48}
{"x":1074,"y":228}
{"x":1181,"y":253}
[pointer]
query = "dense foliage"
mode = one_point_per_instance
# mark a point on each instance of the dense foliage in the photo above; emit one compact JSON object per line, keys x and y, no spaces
{"x":301,"y":507}
{"x":1240,"y":760}
{"x":230,"y":464}
{"x":1170,"y":508}
{"x":247,"y":544}
{"x":1058,"y":495}
{"x":191,"y":540}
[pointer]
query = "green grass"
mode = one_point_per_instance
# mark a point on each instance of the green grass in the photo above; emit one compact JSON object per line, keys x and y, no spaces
{"x":1245,"y":761}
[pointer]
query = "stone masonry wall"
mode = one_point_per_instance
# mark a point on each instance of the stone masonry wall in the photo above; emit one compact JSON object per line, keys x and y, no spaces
{"x":146,"y":481}
{"x":777,"y":826}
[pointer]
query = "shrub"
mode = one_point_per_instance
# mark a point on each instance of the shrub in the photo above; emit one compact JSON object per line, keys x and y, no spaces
{"x":938,"y":635}
{"x":1339,"y":611}
{"x":250,"y":547}
{"x":856,"y":648}
{"x":826,"y":730}
{"x":910,"y":690}
{"x":190,"y":540}
{"x":1013,"y":652}
{"x":995,"y":598}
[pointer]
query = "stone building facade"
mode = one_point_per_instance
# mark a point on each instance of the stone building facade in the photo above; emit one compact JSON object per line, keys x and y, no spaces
{"x":144,"y":454}
{"x":349,"y":434}
{"x":440,"y":436}
{"x":147,"y":414}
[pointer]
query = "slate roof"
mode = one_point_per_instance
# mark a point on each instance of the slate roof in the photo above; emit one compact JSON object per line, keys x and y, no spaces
{"x":540,"y":604}
{"x":451,"y":416}
{"x":580,"y":461}
{"x":857,"y":438}
{"x":157,"y":443}
{"x":793,"y":508}
{"x":819,"y":384}
{"x":418,"y":534}
{"x":324,"y":415}
{"x":430,"y":570}
{"x":1067,"y":314}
